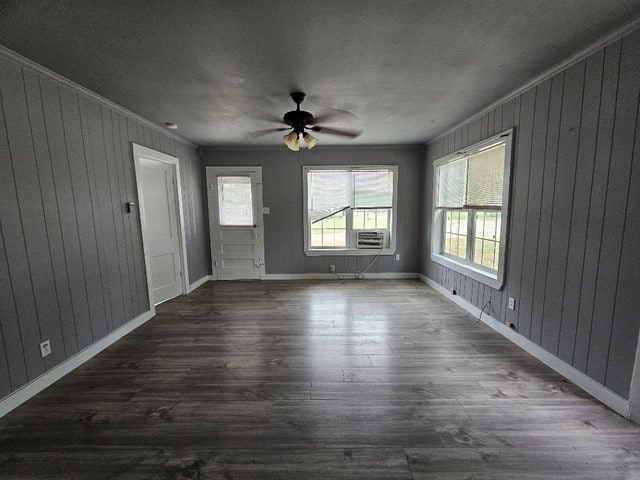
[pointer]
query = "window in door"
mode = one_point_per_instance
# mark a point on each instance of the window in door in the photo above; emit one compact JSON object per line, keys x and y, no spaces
{"x":234,"y":201}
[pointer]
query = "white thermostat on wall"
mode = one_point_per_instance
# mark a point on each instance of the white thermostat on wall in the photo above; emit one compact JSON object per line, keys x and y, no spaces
{"x":266,"y":210}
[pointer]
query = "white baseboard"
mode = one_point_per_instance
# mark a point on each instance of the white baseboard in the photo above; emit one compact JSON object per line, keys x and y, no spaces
{"x":389,"y":276}
{"x":340,"y":276}
{"x":588,"y":384}
{"x":634,"y":390}
{"x":34,"y":387}
{"x":300,"y":276}
{"x":198,"y":283}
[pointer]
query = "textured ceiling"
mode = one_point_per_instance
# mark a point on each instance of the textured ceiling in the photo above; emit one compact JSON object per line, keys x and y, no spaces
{"x":406,"y":69}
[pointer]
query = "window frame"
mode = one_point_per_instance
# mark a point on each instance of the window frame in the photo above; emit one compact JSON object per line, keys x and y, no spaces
{"x":494,"y":279}
{"x":349,"y":250}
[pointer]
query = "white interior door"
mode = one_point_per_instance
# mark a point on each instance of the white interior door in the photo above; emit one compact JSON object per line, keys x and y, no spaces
{"x":235,"y":222}
{"x":159,"y":214}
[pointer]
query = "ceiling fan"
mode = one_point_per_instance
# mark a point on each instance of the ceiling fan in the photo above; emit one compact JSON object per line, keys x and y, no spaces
{"x":299,"y":122}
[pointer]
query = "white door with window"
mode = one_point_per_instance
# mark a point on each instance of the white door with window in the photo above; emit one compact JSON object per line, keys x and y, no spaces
{"x":235,"y":222}
{"x":156,"y":175}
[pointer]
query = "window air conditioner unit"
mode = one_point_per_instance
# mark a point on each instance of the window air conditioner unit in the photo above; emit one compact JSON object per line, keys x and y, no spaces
{"x":370,"y":239}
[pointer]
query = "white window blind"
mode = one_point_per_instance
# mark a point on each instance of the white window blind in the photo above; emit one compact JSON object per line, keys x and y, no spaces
{"x":329,"y":192}
{"x":474,"y":181}
{"x":485,"y":176}
{"x":452,"y":184}
{"x":373,"y":189}
{"x":332,"y":191}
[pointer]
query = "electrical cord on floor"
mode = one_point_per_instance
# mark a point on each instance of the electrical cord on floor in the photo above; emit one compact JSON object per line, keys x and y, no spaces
{"x":482,"y":311}
{"x":362,"y":272}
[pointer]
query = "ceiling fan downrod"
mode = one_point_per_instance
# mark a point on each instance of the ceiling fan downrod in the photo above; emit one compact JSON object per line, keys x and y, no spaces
{"x":298,"y":119}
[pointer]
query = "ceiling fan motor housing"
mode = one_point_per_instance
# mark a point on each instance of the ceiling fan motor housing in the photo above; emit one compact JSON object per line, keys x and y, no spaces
{"x":298,"y":119}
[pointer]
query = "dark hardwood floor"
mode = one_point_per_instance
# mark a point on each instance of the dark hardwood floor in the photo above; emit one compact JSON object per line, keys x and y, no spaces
{"x":315,"y":380}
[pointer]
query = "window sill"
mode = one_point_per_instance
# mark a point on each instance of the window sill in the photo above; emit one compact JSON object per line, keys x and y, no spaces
{"x":495,"y":281}
{"x":327,"y":252}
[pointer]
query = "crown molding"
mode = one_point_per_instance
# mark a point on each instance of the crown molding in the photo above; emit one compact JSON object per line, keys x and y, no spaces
{"x":85,"y":91}
{"x":283,"y":148}
{"x":603,"y":41}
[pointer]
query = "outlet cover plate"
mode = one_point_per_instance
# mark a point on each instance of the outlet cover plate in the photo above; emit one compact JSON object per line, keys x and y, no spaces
{"x":45,"y":348}
{"x":512,"y":303}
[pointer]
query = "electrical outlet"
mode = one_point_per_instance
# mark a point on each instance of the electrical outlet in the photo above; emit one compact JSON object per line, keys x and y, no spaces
{"x":332,"y":268}
{"x":397,"y":257}
{"x":512,"y":303}
{"x":45,"y":348}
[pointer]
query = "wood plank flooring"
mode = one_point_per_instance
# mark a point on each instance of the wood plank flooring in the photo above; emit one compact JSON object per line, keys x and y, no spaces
{"x":315,"y":380}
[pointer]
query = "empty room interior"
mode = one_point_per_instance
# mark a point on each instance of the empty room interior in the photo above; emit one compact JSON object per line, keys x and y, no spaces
{"x":340,"y":239}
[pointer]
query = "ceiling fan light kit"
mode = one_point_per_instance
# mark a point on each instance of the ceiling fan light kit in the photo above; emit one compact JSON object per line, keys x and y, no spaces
{"x":309,"y":140}
{"x":291,"y":141}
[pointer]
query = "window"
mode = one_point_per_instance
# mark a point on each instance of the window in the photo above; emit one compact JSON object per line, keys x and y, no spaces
{"x":343,"y":205}
{"x":234,"y":200}
{"x":471,"y":190}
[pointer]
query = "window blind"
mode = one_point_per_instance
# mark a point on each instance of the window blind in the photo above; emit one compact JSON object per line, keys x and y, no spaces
{"x":485,"y":176}
{"x":331,"y":191}
{"x":373,"y":189}
{"x":452,"y":184}
{"x":474,"y":181}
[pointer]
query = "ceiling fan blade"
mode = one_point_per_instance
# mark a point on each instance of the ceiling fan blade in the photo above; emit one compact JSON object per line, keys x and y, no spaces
{"x":336,"y":131}
{"x":260,"y":133}
{"x":266,"y":117}
{"x":332,"y":114}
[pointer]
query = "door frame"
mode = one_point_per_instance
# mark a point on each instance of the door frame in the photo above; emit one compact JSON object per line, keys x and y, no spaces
{"x":214,"y":171}
{"x":140,"y":152}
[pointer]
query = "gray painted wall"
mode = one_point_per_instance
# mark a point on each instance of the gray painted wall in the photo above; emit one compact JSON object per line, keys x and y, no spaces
{"x":71,"y":261}
{"x":282,"y":192}
{"x":573,"y":253}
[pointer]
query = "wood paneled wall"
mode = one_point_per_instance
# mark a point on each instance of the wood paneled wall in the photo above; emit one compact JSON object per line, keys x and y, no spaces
{"x":574,"y":235}
{"x":282,"y":192}
{"x":71,"y":259}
